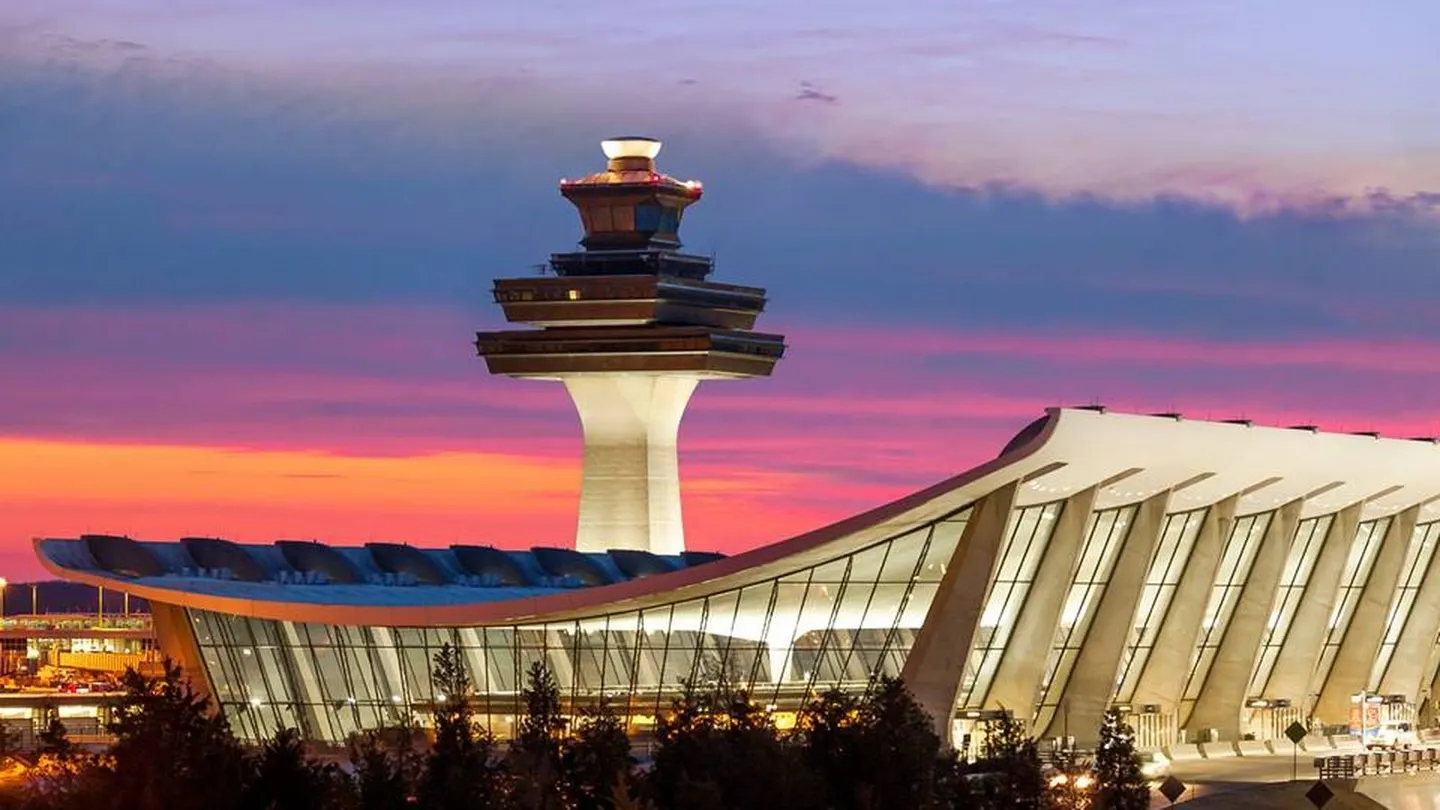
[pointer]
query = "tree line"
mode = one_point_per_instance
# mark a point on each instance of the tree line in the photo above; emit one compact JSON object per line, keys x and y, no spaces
{"x":714,"y":750}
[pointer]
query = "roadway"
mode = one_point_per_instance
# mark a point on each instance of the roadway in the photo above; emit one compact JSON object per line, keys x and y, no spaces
{"x":1216,"y":776}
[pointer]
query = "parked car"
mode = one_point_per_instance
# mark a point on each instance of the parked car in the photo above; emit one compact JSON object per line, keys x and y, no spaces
{"x":1393,"y":734}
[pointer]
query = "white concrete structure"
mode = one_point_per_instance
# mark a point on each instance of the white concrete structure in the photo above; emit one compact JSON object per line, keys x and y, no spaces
{"x":1213,"y":578}
{"x":630,"y":325}
{"x":630,"y":490}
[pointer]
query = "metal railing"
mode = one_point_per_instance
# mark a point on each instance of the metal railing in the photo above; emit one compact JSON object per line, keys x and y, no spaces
{"x":1378,"y":763}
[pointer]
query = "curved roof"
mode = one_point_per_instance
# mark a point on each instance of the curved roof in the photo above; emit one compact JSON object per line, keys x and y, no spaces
{"x":1130,"y":457}
{"x":218,"y":553}
{"x":403,"y":560}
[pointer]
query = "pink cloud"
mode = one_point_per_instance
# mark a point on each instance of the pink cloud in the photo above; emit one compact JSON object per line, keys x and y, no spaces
{"x":852,"y":418}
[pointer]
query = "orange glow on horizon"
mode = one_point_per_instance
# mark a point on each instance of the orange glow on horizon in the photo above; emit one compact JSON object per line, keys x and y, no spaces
{"x":58,"y":488}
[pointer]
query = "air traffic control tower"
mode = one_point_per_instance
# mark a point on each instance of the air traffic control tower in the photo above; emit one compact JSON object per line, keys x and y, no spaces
{"x":630,"y":324}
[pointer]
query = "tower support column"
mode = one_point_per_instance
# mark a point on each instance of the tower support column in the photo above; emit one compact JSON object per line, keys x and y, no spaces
{"x":630,"y":490}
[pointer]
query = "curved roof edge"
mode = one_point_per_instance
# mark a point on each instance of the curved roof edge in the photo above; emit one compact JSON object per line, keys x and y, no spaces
{"x":757,"y":564}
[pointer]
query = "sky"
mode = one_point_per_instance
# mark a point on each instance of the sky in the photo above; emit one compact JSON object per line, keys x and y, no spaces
{"x":245,"y":244}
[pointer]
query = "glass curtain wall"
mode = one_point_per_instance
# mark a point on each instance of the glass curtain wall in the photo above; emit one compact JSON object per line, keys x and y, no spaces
{"x":833,"y":624}
{"x":1103,"y":541}
{"x":1027,"y":536}
{"x":1234,"y":570}
{"x":1352,"y":584}
{"x":1417,"y":561}
{"x":1172,"y":555}
{"x":1304,"y":551}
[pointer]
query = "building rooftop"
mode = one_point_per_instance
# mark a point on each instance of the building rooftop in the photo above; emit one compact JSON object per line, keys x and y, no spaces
{"x":375,"y":574}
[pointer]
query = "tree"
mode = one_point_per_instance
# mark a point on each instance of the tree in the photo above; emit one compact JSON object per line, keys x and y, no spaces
{"x":1120,"y":783}
{"x":534,"y":758}
{"x":459,"y":772}
{"x":597,"y":759}
{"x":899,"y":747}
{"x":719,"y":751}
{"x":387,"y":768}
{"x":170,"y":751}
{"x":880,"y":751}
{"x":285,"y":778}
{"x":64,"y":776}
{"x":1009,"y":767}
{"x":832,"y":746}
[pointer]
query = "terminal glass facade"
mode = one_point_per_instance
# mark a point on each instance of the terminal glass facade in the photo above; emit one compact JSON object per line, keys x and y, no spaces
{"x":1172,"y":554}
{"x":1294,"y":578}
{"x":785,"y":639}
{"x":1358,"y":564}
{"x":1234,"y":570}
{"x":1027,"y":536}
{"x":1105,"y":536}
{"x":1418,"y":555}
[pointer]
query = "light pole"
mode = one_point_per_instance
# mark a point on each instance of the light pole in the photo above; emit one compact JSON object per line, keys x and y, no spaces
{"x":1072,"y":790}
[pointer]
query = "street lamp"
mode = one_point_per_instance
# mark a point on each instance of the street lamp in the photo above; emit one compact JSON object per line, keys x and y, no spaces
{"x":1072,"y":792}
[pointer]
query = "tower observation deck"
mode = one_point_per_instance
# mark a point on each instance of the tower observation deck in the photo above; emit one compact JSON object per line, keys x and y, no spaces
{"x":630,"y":325}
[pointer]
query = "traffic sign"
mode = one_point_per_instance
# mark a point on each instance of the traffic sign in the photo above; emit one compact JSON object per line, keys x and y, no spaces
{"x":1320,"y":794}
{"x":1296,"y":732}
{"x":1172,"y":789}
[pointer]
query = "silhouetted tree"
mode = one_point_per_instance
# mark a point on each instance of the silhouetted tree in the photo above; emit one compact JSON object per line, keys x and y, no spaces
{"x":1119,"y":782}
{"x":900,"y":749}
{"x":832,"y":746}
{"x":170,"y":752}
{"x":459,"y":771}
{"x":1009,"y":768}
{"x":387,"y":768}
{"x":880,"y":751}
{"x":719,"y":750}
{"x":64,"y":775}
{"x":534,"y":759}
{"x":285,"y":778}
{"x":597,"y":759}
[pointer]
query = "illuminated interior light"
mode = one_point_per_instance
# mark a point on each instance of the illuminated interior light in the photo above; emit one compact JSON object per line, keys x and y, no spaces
{"x":631,"y":146}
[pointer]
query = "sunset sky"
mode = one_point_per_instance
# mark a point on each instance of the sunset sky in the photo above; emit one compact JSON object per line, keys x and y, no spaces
{"x":245,"y":244}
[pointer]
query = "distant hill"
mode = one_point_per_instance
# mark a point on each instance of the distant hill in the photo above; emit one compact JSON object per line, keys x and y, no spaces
{"x":55,"y":596}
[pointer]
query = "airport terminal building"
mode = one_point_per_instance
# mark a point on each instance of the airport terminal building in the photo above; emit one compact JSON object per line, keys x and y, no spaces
{"x":1214,"y":579}
{"x":1210,"y":577}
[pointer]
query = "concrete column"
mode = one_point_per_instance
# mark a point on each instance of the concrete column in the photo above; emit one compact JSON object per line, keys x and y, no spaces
{"x":1222,"y":695}
{"x":1408,"y":673}
{"x":1162,"y":681}
{"x":1356,"y":657}
{"x":937,"y":661}
{"x":175,"y":636}
{"x":630,"y":492}
{"x":1295,"y":664}
{"x":1086,"y":693}
{"x":1017,"y":678}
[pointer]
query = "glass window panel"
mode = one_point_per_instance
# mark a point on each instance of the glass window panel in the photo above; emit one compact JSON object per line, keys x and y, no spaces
{"x":903,"y":557}
{"x":1101,"y":546}
{"x":1358,"y":563}
{"x":1027,"y":537}
{"x":1240,"y":548}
